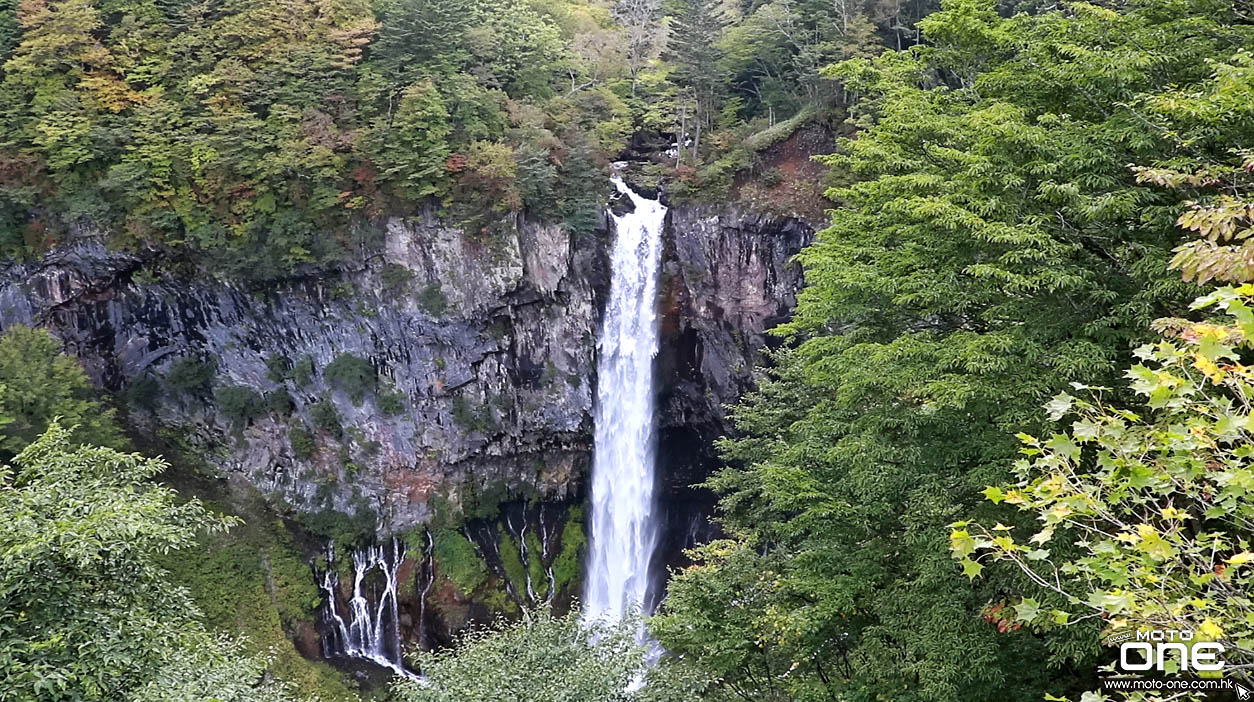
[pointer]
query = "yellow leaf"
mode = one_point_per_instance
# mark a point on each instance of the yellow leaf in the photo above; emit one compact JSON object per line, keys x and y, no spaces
{"x":1210,"y":631}
{"x":1241,"y":558}
{"x":1208,"y":367}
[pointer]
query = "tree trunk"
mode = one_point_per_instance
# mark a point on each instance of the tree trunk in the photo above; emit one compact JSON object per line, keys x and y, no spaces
{"x":696,"y":142}
{"x":679,"y":138}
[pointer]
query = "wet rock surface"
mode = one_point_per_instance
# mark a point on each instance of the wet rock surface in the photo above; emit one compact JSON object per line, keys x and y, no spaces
{"x":483,"y":348}
{"x":728,"y":277}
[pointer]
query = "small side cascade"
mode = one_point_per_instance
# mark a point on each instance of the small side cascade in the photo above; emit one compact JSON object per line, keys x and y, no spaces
{"x":426,"y":577}
{"x":371,"y":630}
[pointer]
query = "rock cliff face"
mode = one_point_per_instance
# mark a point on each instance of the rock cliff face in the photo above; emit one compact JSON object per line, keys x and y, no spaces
{"x":728,"y":277}
{"x":482,"y":350}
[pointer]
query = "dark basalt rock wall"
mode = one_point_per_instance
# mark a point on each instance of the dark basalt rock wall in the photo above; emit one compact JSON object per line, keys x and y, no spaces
{"x":488,"y":340}
{"x":728,"y":277}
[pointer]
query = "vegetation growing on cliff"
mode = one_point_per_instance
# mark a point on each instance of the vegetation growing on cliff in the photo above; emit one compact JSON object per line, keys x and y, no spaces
{"x":456,"y":559}
{"x":991,"y":244}
{"x":39,"y":383}
{"x":1007,"y":213}
{"x":255,"y":581}
{"x":267,"y":135}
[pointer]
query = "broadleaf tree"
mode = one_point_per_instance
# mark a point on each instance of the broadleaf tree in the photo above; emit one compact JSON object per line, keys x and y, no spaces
{"x":989,"y":245}
{"x":1140,"y":504}
{"x":86,"y":611}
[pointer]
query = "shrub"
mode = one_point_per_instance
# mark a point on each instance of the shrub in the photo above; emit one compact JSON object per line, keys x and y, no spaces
{"x":326,"y":418}
{"x":239,"y":404}
{"x":142,"y":392}
{"x":395,"y":278}
{"x":354,"y":375}
{"x":511,"y":561}
{"x":566,"y":567}
{"x":458,"y":561}
{"x":279,"y":402}
{"x":471,"y":418}
{"x":193,"y":375}
{"x":431,"y":299}
{"x":278,"y":367}
{"x":390,"y":403}
{"x":346,"y":530}
{"x":302,"y":441}
{"x":771,"y":177}
{"x":302,"y":372}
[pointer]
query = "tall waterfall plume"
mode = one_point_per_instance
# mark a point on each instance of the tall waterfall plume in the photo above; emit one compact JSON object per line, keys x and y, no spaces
{"x":624,"y":528}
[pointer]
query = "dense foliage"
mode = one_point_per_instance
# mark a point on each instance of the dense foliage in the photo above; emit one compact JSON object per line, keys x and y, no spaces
{"x":547,"y":658}
{"x":39,"y":383}
{"x":992,"y":246}
{"x":272,"y":134}
{"x":90,"y":612}
{"x":1153,"y":512}
{"x":1008,"y":209}
{"x":86,"y":611}
{"x":1142,"y":510}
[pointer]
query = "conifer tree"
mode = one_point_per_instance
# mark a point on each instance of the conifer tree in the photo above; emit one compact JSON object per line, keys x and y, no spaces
{"x":692,"y":45}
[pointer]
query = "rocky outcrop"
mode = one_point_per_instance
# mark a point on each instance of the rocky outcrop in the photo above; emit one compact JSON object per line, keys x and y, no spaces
{"x":728,"y":277}
{"x":482,"y":347}
{"x":486,"y":343}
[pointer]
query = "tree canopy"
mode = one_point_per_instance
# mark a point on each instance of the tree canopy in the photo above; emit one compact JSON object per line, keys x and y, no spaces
{"x":990,"y":245}
{"x":274,"y":134}
{"x":1022,"y":190}
{"x":86,"y":611}
{"x":39,"y":383}
{"x":548,"y":658}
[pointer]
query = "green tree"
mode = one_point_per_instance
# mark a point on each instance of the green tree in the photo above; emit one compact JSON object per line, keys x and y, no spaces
{"x":1143,"y":517}
{"x":1140,"y":509}
{"x":86,"y":612}
{"x":695,"y":28}
{"x":216,"y":672}
{"x":10,"y":33}
{"x":413,"y":147}
{"x":546,"y":658}
{"x":352,"y":374}
{"x":992,"y":247}
{"x":38,"y":383}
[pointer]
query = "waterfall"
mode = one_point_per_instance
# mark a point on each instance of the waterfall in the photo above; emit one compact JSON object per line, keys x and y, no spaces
{"x":372,"y":630}
{"x":623,"y":528}
{"x":427,"y":580}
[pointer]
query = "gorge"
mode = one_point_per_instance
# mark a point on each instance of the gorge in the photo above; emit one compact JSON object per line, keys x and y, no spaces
{"x":396,"y":350}
{"x":491,"y":347}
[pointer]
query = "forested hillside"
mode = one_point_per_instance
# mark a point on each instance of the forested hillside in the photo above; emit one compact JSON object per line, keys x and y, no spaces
{"x":271,"y":134}
{"x":1004,"y":230}
{"x":1007,"y":425}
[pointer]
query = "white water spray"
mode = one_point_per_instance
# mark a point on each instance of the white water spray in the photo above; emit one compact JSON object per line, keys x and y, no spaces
{"x":624,"y":532}
{"x":372,"y":631}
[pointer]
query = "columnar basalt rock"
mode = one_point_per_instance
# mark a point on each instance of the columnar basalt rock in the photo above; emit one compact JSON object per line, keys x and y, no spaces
{"x":484,"y":348}
{"x":729,"y":276}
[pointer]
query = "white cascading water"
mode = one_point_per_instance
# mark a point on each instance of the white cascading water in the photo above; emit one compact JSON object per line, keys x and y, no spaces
{"x":372,"y":631}
{"x":624,"y":533}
